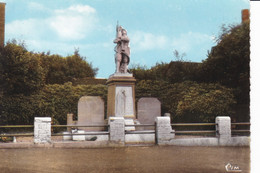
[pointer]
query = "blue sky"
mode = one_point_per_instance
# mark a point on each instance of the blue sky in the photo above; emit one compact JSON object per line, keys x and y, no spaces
{"x":155,"y":28}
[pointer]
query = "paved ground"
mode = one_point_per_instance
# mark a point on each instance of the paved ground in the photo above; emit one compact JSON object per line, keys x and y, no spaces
{"x":126,"y":159}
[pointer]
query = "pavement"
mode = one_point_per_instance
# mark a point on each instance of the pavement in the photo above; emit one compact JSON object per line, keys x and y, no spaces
{"x":152,"y":159}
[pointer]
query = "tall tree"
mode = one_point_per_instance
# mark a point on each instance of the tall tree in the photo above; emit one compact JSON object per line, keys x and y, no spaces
{"x":21,"y":71}
{"x":228,"y":62}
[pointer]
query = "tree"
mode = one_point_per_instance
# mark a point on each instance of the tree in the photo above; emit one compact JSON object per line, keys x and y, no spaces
{"x":175,"y":71}
{"x":189,"y":101}
{"x":78,"y":67}
{"x":203,"y":102}
{"x":60,"y":70}
{"x":21,"y":71}
{"x":228,"y":61}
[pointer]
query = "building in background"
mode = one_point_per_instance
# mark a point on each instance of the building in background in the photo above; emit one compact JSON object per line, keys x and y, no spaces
{"x":2,"y":24}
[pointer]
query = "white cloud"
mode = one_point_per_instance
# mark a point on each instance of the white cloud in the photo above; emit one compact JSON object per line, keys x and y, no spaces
{"x":187,"y":41}
{"x":148,"y":41}
{"x":143,"y":41}
{"x":74,"y":23}
{"x":24,"y":29}
{"x":36,"y":6}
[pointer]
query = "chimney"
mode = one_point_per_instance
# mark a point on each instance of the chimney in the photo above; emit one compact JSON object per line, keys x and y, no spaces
{"x":2,"y":24}
{"x":245,"y":15}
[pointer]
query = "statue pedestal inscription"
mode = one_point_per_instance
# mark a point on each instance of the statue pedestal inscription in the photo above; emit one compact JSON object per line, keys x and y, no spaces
{"x":121,"y":97}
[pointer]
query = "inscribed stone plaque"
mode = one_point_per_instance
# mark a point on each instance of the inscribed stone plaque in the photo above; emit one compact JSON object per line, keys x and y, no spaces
{"x":124,"y":105}
{"x":91,"y":112}
{"x":42,"y":129}
{"x":148,"y":109}
{"x":116,"y":129}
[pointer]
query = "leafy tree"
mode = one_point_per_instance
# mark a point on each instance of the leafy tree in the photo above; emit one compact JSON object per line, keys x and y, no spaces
{"x":228,"y":62}
{"x":180,"y":71}
{"x":175,"y":71}
{"x":189,"y":101}
{"x":203,"y":102}
{"x":156,"y":72}
{"x":21,"y":71}
{"x":54,"y":101}
{"x":61,"y":70}
{"x":55,"y":68}
{"x":78,"y":67}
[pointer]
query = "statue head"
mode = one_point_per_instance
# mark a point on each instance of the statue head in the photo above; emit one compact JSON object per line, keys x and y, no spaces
{"x":124,"y":32}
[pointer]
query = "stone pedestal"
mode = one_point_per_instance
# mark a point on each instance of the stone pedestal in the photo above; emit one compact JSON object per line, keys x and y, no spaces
{"x":42,"y":129}
{"x":121,"y":96}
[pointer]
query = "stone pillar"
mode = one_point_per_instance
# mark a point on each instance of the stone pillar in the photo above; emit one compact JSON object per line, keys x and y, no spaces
{"x":42,"y":129}
{"x":223,"y":128}
{"x":117,"y":129}
{"x":163,"y":132}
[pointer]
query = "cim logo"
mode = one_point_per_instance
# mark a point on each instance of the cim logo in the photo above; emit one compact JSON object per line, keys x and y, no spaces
{"x":232,"y":168}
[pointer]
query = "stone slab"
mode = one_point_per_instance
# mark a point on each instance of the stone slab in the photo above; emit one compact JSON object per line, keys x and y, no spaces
{"x":67,"y":136}
{"x":121,"y":75}
{"x":129,"y":122}
{"x":148,"y":108}
{"x":77,"y":137}
{"x":91,"y":112}
{"x":140,"y":138}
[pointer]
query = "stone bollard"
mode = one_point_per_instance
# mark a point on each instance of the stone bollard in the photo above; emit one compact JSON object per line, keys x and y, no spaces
{"x":223,"y":128}
{"x":42,"y":130}
{"x":117,"y":130}
{"x":164,"y":132}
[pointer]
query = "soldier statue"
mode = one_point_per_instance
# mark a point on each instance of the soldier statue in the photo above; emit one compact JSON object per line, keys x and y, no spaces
{"x":122,"y":56}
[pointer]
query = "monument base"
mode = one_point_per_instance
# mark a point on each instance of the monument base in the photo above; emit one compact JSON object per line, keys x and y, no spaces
{"x":129,"y":122}
{"x":121,"y":96}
